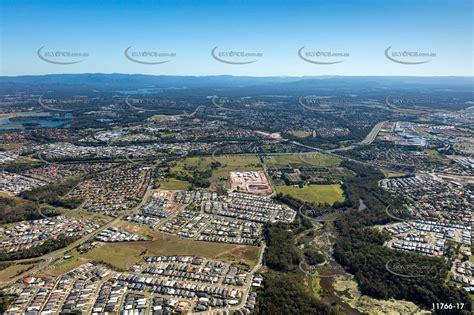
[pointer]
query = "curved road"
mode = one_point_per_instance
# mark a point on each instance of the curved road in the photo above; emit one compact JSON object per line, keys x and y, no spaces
{"x":249,"y":281}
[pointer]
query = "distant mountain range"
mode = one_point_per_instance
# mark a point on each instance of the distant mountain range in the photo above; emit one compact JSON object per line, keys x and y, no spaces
{"x":117,"y":80}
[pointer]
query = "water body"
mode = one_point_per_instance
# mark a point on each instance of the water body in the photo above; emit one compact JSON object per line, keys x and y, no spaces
{"x":35,"y":120}
{"x":362,"y":205}
{"x":140,"y":91}
{"x":150,"y":90}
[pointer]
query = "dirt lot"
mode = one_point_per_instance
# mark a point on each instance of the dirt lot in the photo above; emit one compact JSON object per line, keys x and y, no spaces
{"x":254,"y":182}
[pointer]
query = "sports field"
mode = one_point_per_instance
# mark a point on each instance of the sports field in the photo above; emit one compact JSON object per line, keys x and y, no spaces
{"x":315,"y":193}
{"x":300,"y":133}
{"x":173,"y":184}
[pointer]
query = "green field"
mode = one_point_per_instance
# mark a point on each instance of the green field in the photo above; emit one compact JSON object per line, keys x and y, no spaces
{"x":435,"y":155}
{"x":238,"y":160}
{"x":320,"y":159}
{"x":124,"y":254}
{"x":65,"y":265}
{"x":315,"y":193}
{"x":389,"y":174}
{"x":300,"y":133}
{"x":14,"y":270}
{"x":301,"y":160}
{"x":173,"y":184}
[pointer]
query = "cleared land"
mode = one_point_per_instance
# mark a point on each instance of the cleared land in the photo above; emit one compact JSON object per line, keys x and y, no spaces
{"x":173,"y":184}
{"x":315,"y":193}
{"x":11,"y":146}
{"x":301,"y":160}
{"x":123,"y":255}
{"x":251,"y":182}
{"x":389,"y":174}
{"x":300,"y":133}
{"x":14,"y":270}
{"x":435,"y":155}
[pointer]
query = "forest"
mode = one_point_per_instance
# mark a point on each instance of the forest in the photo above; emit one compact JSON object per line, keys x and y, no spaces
{"x":284,"y":290}
{"x":359,"y":248}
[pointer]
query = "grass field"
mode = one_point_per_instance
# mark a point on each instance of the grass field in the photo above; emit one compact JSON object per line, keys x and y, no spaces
{"x":300,"y":133}
{"x":13,"y":271}
{"x":173,"y":184}
{"x":65,"y":265}
{"x":435,"y":155}
{"x":315,"y":193}
{"x":303,"y":160}
{"x":158,"y":117}
{"x":320,"y":159}
{"x":11,"y":146}
{"x":238,"y":160}
{"x":389,"y":174}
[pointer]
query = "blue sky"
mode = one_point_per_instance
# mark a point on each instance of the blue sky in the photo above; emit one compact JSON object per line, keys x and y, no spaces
{"x":362,"y":30}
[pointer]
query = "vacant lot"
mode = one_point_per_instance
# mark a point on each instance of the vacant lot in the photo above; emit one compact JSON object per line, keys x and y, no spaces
{"x":300,"y":133}
{"x":14,"y":270}
{"x":173,"y":184}
{"x":434,"y":155}
{"x":65,"y":265}
{"x":316,"y":193}
{"x":123,"y":255}
{"x":319,"y":159}
{"x":238,"y":160}
{"x":11,"y":146}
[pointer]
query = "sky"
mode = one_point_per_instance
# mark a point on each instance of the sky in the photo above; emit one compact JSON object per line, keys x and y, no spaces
{"x":423,"y":37}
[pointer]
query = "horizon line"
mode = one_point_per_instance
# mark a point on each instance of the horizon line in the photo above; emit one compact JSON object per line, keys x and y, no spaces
{"x":239,"y":76}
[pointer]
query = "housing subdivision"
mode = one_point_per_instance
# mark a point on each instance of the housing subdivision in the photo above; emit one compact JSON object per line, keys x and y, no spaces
{"x":235,"y":218}
{"x":435,"y":219}
{"x":16,"y":184}
{"x":156,"y":285}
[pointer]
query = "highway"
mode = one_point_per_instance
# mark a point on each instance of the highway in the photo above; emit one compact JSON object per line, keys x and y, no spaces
{"x":372,"y":134}
{"x":366,"y":141}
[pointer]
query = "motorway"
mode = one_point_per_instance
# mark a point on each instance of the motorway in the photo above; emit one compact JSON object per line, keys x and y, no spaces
{"x":372,"y":134}
{"x":366,"y":141}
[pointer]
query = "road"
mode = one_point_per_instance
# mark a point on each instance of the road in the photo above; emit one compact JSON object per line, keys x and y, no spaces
{"x":373,"y":134}
{"x":249,"y":282}
{"x":366,"y":141}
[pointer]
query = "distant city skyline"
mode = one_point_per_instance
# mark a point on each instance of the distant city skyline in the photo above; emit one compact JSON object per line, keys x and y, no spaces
{"x":240,"y":38}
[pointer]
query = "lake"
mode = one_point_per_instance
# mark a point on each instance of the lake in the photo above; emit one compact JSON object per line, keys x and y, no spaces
{"x":35,"y":120}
